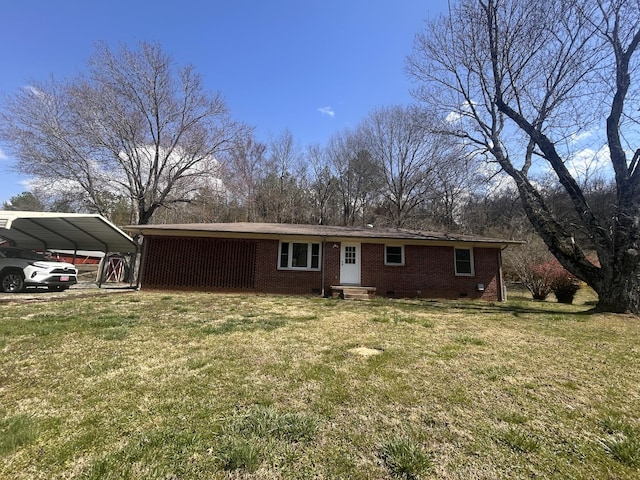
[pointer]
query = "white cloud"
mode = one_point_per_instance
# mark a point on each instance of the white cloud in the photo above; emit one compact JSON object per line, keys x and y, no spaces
{"x":577,"y":137}
{"x":35,"y":92}
{"x":327,"y":111}
{"x":587,"y":163}
{"x":453,"y":117}
{"x":3,"y":156}
{"x":457,"y":115}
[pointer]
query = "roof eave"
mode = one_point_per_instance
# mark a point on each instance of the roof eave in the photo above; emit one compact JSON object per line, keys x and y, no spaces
{"x":331,"y":235}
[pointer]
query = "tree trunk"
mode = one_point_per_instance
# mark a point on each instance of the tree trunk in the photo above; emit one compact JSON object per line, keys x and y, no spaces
{"x":619,"y":294}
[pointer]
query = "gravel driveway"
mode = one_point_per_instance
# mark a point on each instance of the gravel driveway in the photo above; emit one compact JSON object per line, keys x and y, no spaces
{"x":81,"y":289}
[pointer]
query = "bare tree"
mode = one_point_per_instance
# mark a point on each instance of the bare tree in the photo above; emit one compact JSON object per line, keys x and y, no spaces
{"x":357,"y":174}
{"x":455,"y":182}
{"x":281,"y":195}
{"x":518,"y":79}
{"x":323,"y":187}
{"x":284,"y":168}
{"x":496,"y":214}
{"x":134,"y":127}
{"x":404,"y":143}
{"x":242,"y":169}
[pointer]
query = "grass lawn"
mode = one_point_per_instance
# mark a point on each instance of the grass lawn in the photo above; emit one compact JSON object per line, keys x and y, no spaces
{"x":195,"y":385}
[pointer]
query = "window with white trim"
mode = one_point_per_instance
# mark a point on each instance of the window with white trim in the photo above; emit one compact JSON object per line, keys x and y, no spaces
{"x":394,"y":255}
{"x":464,"y":261}
{"x":299,"y":256}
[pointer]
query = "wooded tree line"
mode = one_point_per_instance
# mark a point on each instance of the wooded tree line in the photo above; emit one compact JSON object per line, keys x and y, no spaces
{"x":252,"y":186}
{"x":505,"y":87}
{"x":139,"y":140}
{"x":391,"y":170}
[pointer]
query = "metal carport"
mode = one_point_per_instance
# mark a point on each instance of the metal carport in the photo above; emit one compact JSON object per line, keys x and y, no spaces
{"x":64,"y":231}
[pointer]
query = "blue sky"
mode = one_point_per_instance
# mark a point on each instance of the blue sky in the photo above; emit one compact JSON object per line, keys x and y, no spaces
{"x":314,"y":67}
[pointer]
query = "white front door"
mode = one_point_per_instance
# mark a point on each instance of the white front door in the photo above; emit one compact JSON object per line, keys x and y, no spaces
{"x":350,"y":264}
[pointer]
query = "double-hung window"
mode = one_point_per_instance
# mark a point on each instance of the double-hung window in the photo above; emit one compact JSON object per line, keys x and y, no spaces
{"x":300,"y":256}
{"x":464,"y":261}
{"x":393,"y":255}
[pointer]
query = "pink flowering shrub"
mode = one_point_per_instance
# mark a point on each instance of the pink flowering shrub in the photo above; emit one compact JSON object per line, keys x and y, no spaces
{"x":555,"y":278}
{"x":537,"y":279}
{"x":539,"y":272}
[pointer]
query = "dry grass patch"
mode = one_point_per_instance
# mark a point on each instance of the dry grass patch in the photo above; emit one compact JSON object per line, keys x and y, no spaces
{"x":199,"y":385}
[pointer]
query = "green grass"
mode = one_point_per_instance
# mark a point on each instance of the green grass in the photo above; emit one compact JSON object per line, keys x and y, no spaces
{"x":200,"y":385}
{"x":404,"y":458}
{"x":621,"y":441}
{"x":16,"y":432}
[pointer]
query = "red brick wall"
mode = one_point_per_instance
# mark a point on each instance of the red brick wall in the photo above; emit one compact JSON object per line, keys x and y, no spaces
{"x":429,"y":272}
{"x":222,"y":265}
{"x":272,"y":280}
{"x":199,"y":263}
{"x":251,"y":265}
{"x":332,"y":265}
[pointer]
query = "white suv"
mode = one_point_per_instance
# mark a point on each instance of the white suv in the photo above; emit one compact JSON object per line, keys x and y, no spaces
{"x":21,"y":268}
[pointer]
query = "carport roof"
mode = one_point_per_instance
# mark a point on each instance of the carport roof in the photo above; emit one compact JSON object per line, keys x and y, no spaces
{"x":67,"y":231}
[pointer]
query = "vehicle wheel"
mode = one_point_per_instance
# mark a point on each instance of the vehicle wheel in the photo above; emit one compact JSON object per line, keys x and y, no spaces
{"x":12,"y":282}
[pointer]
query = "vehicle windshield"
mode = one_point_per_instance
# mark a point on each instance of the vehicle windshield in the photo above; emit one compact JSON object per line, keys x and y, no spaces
{"x":21,"y":253}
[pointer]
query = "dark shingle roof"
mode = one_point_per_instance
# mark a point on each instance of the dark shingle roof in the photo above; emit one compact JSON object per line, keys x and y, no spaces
{"x":327,"y":232}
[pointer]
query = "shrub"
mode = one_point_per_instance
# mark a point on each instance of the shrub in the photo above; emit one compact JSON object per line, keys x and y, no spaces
{"x":565,"y":289}
{"x":540,"y":273}
{"x":537,"y":279}
{"x":563,"y":284}
{"x":522,"y":265}
{"x":543,"y":278}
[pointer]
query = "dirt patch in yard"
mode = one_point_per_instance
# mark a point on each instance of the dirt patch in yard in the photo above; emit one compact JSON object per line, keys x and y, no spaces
{"x":365,"y":352}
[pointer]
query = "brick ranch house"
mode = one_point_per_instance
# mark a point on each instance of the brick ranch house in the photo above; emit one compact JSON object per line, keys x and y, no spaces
{"x":320,"y":259}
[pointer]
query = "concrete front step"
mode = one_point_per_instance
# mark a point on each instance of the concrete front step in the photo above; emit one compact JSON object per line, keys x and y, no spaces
{"x":351,"y":292}
{"x":356,"y":296}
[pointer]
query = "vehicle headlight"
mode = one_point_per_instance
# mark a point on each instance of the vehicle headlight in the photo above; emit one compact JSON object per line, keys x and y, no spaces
{"x":39,"y":265}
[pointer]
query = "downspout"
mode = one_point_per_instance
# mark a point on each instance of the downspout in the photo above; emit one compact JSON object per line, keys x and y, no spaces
{"x":322,"y":266}
{"x":501,"y":286}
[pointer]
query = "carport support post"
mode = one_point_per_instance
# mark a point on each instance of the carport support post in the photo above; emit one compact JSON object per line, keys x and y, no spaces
{"x":141,"y":253}
{"x":133,"y":258}
{"x":103,"y":262}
